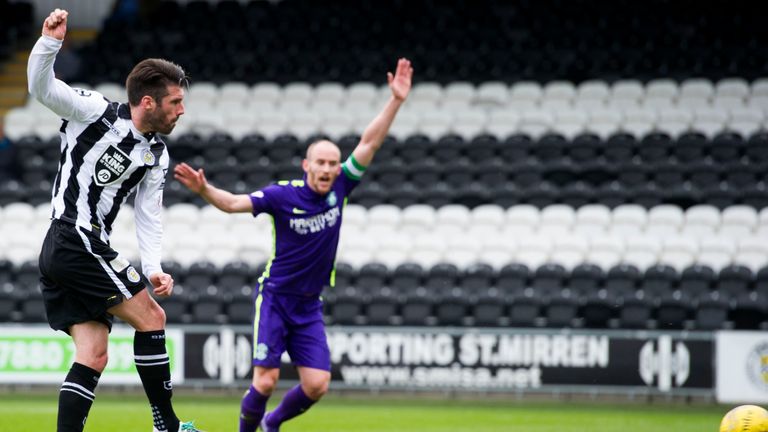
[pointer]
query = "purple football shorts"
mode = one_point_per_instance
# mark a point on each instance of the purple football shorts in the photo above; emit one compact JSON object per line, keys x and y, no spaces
{"x":293,"y":324}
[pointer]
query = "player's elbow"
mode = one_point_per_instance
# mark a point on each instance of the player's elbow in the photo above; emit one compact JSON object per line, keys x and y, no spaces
{"x":229,"y":207}
{"x":38,"y":93}
{"x":33,"y":89}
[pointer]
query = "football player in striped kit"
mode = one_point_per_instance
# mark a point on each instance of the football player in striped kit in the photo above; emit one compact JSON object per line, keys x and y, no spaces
{"x":108,"y":151}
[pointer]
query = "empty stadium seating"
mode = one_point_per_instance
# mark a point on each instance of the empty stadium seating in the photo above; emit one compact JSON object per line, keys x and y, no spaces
{"x":531,"y":179}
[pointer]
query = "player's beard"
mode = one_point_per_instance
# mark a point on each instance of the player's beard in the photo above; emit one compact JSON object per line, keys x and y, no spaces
{"x":159,"y":124}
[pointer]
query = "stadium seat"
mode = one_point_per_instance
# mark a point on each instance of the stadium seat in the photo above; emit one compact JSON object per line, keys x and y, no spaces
{"x":561,"y":312}
{"x":696,"y":281}
{"x":417,"y":310}
{"x":761,"y":281}
{"x":635,"y":313}
{"x":711,"y":313}
{"x":734,"y":281}
{"x":549,"y":279}
{"x":235,"y":278}
{"x":659,"y":281}
{"x":176,"y":309}
{"x":585,"y":280}
{"x":452,"y":309}
{"x":371,"y":277}
{"x":8,"y":308}
{"x":441,"y":278}
{"x":622,"y":281}
{"x":749,"y":312}
{"x":477,"y":279}
{"x":33,"y":310}
{"x":27,"y":279}
{"x":240,"y":310}
{"x":382,"y":309}
{"x":200,"y":278}
{"x":672,"y":313}
{"x":347,"y":308}
{"x":597,"y":310}
{"x":524,"y":311}
{"x":489,"y":310}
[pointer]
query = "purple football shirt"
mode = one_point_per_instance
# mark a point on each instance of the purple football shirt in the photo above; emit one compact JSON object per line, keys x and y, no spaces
{"x":306,"y":232}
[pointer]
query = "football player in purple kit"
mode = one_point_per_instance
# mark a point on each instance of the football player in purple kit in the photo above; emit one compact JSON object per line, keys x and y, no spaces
{"x":306,"y":217}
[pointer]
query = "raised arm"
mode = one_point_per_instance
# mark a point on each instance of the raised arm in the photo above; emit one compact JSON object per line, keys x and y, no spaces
{"x":51,"y":92}
{"x":374,"y":134}
{"x":219,"y":198}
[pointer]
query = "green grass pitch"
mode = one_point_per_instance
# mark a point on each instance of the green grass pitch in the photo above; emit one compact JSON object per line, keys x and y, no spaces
{"x":130,"y":412}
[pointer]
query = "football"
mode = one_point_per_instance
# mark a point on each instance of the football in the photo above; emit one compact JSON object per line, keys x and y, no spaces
{"x":745,"y":418}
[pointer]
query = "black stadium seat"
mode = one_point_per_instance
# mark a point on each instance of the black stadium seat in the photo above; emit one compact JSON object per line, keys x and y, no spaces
{"x":597,"y":310}
{"x":513,"y":279}
{"x":635,"y":313}
{"x":585,"y":280}
{"x":672,"y":312}
{"x":549,"y":279}
{"x":240,"y":310}
{"x":524,"y":311}
{"x":382,"y":309}
{"x":659,"y":281}
{"x":711,"y":313}
{"x":488,"y":311}
{"x":734,"y":281}
{"x":696,"y":281}
{"x":372,"y":277}
{"x":561,"y":312}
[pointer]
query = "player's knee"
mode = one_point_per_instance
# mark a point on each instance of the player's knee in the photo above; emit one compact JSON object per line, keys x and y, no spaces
{"x":159,"y":316}
{"x":265,"y":384}
{"x":101,"y":361}
{"x":95,"y":359}
{"x":154,"y":319}
{"x":315,"y":388}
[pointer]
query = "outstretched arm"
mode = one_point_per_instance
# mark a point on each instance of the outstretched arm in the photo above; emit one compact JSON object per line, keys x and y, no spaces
{"x":374,"y":134}
{"x":219,"y":198}
{"x":53,"y":93}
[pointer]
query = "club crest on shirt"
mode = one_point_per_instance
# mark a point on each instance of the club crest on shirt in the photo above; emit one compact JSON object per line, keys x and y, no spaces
{"x":147,"y":157}
{"x":110,"y":166}
{"x":332,"y":200}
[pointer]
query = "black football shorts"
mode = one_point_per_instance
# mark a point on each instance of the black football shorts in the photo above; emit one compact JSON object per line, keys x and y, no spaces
{"x":82,"y":277}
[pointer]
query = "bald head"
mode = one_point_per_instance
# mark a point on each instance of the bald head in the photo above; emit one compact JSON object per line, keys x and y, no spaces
{"x":323,"y":146}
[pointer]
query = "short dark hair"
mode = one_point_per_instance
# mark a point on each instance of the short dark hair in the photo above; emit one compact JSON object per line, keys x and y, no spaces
{"x":151,"y":77}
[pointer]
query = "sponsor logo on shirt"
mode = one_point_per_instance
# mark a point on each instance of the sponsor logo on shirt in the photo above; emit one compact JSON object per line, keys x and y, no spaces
{"x":298,"y":211}
{"x":111,"y":127}
{"x":111,"y":165}
{"x":316,"y":223}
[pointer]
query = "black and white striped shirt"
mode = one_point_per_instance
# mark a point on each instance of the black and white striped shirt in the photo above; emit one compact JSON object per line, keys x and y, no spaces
{"x":104,"y":158}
